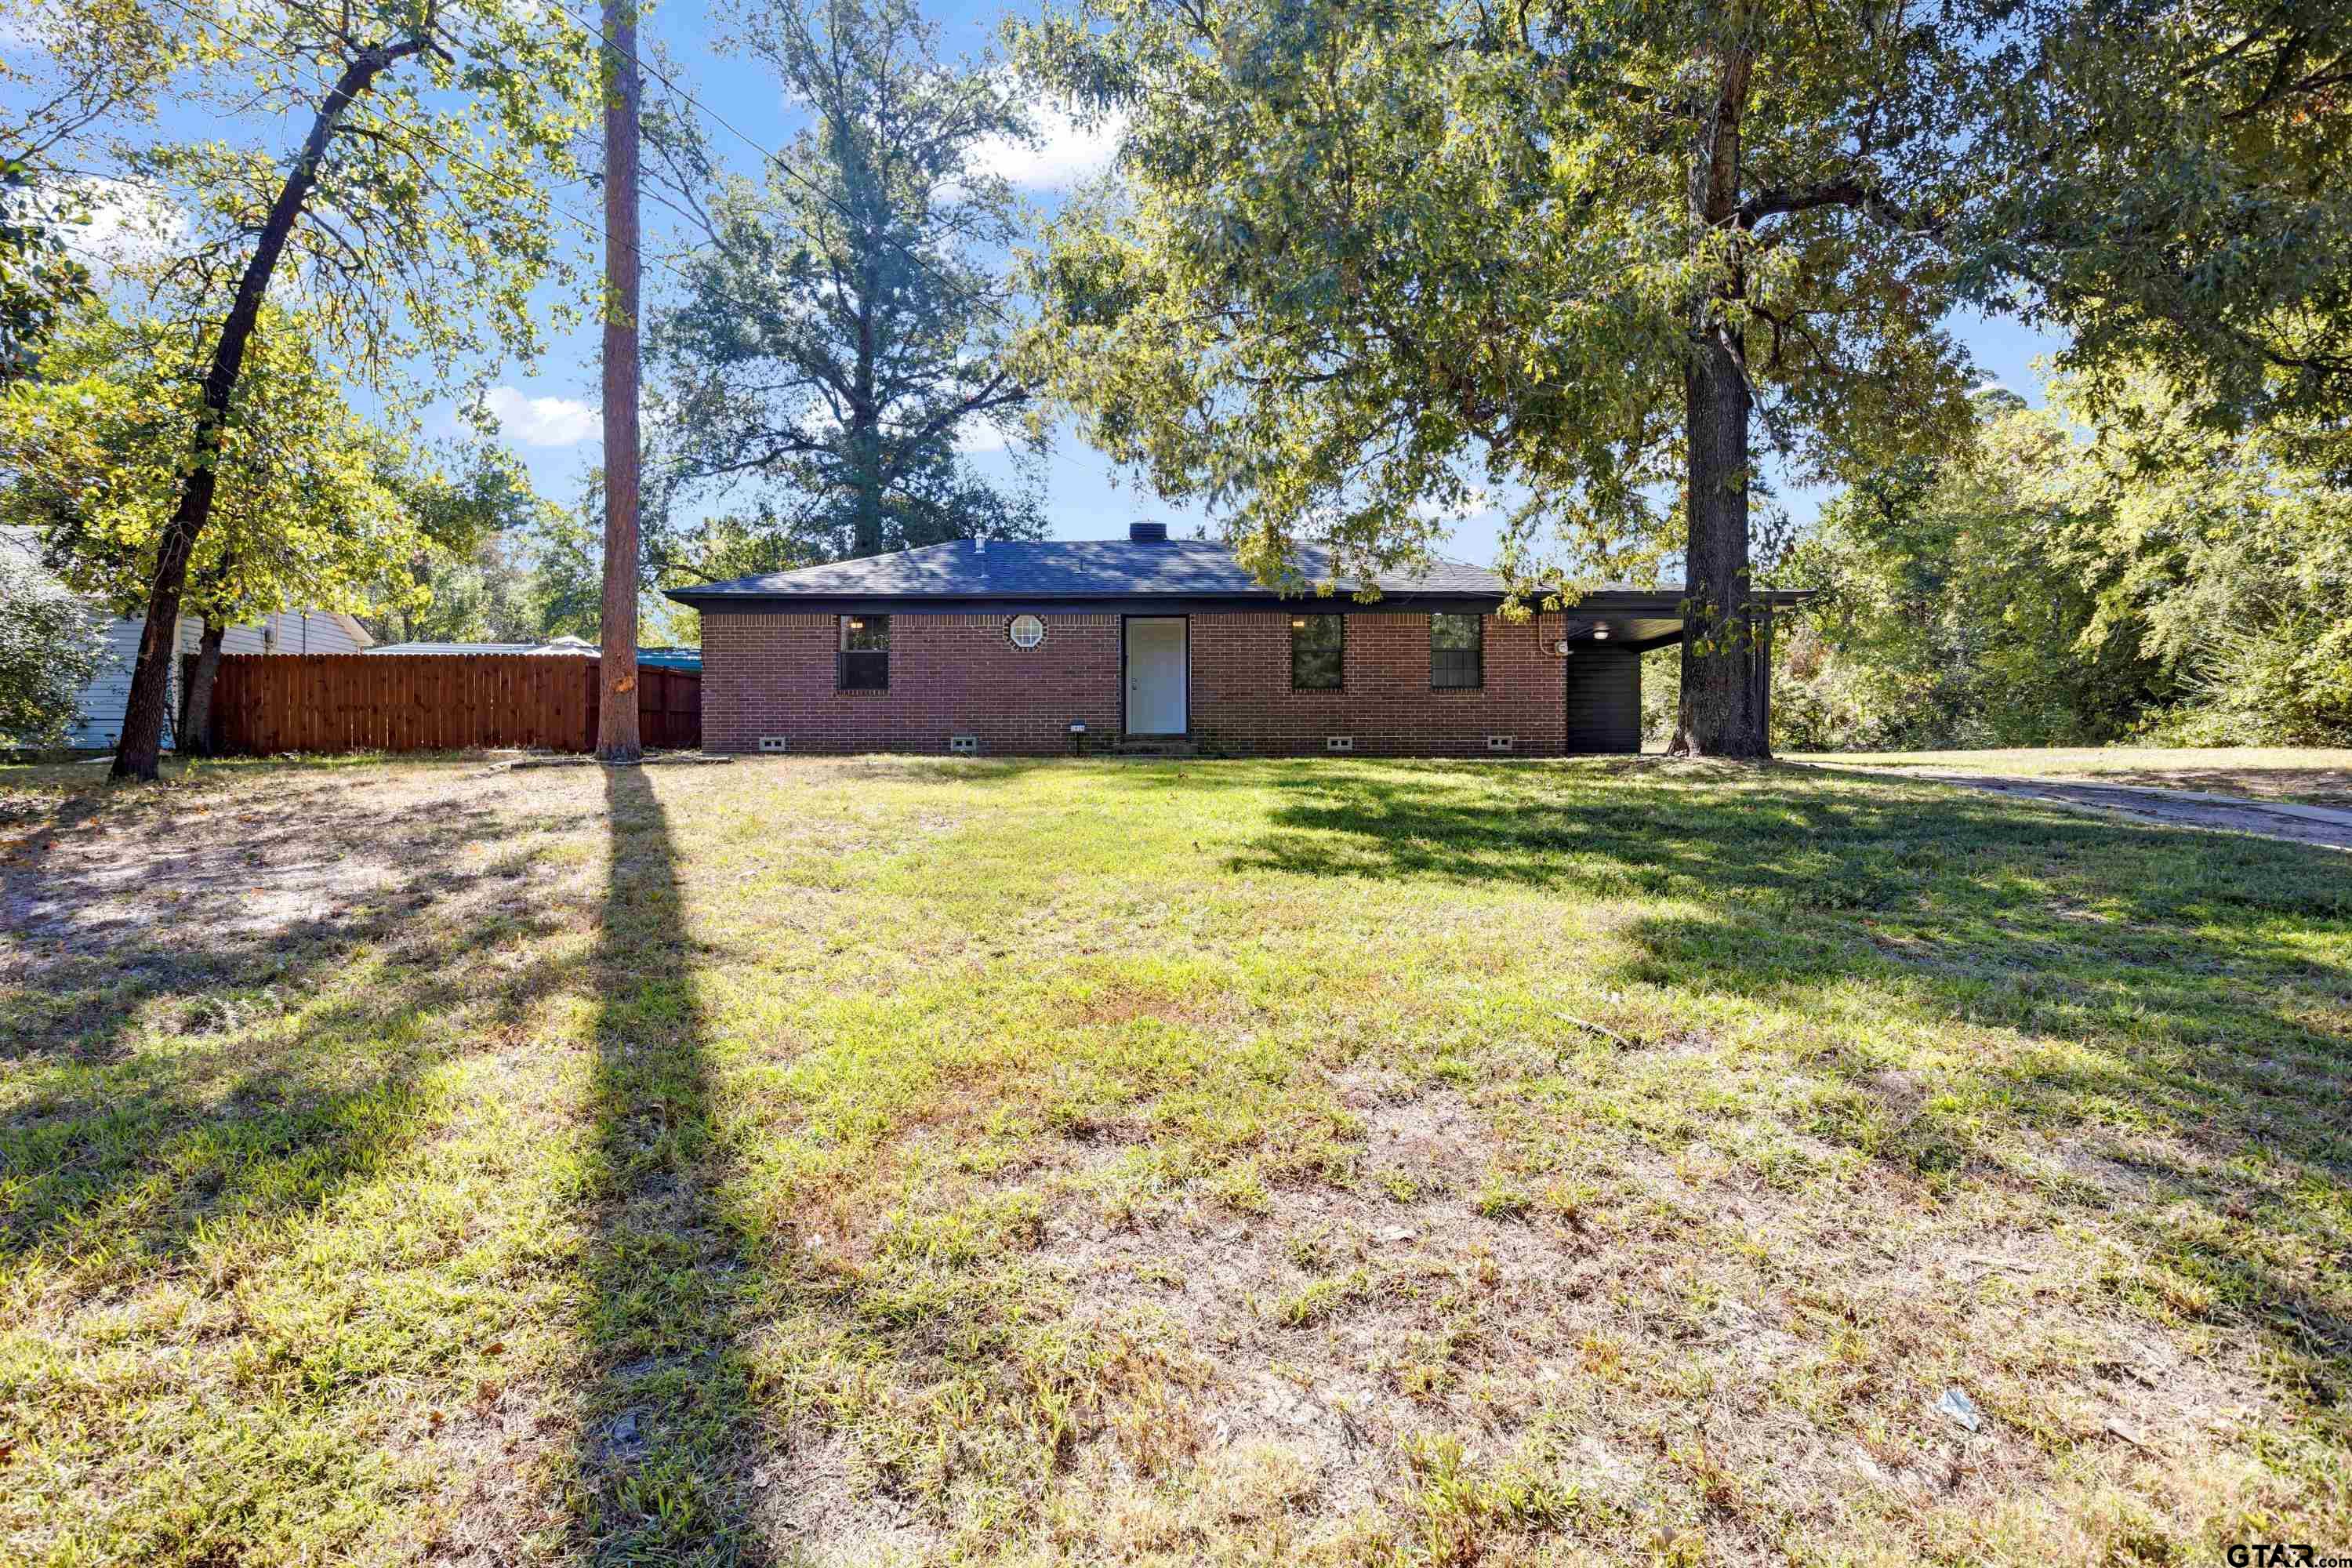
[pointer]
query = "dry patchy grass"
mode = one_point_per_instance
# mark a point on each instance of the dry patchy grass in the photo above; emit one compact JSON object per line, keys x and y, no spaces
{"x":898,"y":1161}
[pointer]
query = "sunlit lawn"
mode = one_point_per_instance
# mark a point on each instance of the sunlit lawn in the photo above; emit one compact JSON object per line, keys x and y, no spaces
{"x":2318,"y":776}
{"x":895,"y":1161}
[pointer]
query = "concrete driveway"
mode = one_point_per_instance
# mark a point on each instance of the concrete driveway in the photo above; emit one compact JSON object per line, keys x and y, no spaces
{"x":2326,"y":827}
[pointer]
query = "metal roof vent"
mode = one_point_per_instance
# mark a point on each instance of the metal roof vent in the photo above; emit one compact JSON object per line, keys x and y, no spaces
{"x":1147,"y":534}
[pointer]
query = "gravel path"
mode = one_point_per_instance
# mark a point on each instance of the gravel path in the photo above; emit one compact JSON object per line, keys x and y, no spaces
{"x":2326,"y":827}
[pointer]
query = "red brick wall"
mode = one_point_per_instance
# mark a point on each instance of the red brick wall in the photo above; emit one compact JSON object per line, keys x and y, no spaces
{"x":1242,"y":699}
{"x":770,"y":673}
{"x":949,"y":675}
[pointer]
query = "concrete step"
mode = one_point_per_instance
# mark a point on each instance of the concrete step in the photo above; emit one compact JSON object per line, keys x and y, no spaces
{"x":1154,"y":746}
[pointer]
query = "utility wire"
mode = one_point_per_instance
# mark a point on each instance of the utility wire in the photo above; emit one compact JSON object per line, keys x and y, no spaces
{"x":784,"y":166}
{"x":594,"y":231}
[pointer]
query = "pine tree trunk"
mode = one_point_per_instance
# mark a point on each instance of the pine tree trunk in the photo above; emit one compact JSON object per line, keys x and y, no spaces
{"x":141,"y":749}
{"x":197,"y":709}
{"x":866,"y":446}
{"x":617,"y":735}
{"x":1724,"y":678}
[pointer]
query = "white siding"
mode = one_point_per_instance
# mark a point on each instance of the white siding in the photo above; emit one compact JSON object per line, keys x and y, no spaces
{"x":290,"y":631}
{"x":293,"y":631}
{"x":109,"y":692}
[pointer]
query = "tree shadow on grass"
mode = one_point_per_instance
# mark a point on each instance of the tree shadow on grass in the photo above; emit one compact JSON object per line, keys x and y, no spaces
{"x":666,"y":1428}
{"x":2151,"y":977}
{"x":258,"y":1102}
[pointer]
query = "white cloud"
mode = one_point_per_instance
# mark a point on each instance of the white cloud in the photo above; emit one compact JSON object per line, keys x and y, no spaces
{"x":1064,"y":154}
{"x":1451,"y":514}
{"x":978,"y":435}
{"x":542,"y":421}
{"x":127,"y":226}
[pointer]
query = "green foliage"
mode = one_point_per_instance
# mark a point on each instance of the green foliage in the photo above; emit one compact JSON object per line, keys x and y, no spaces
{"x":721,"y":547}
{"x":50,"y":648}
{"x":2181,"y":207}
{"x":845,"y":320}
{"x":563,"y":593}
{"x":432,"y":222}
{"x":1962,"y":608}
{"x":302,"y":514}
{"x":2228,"y":559}
{"x":1370,"y":246}
{"x":40,"y":279}
{"x":2054,"y":588}
{"x":567,"y":581}
{"x":71,"y":63}
{"x":1368,"y":254}
{"x":472,"y":579}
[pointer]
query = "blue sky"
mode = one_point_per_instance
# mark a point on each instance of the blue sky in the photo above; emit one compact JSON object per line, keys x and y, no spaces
{"x":550,"y":416}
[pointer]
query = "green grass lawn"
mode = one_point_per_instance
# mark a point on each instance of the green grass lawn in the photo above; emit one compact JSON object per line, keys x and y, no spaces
{"x":900,"y":1160}
{"x":2315,"y":775}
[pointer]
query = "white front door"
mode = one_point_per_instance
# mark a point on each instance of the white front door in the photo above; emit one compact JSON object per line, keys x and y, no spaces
{"x":1155,"y":675}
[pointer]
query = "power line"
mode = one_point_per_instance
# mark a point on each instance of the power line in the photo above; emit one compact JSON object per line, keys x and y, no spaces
{"x":594,"y":233}
{"x":784,"y":166}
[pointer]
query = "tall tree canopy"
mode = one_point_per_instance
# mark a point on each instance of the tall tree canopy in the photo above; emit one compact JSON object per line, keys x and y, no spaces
{"x":410,"y":212}
{"x":2076,"y":577}
{"x":71,"y":65}
{"x":846,"y":318}
{"x":2176,"y":198}
{"x":305,"y":510}
{"x":1612,"y":252}
{"x":304,"y":513}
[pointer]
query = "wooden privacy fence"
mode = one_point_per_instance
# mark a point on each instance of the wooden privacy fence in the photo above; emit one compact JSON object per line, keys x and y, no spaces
{"x":669,"y":707}
{"x":265,"y":703}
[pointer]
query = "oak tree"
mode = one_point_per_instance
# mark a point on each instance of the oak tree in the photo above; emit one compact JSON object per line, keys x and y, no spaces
{"x":413,"y":217}
{"x":1611,"y":257}
{"x":304,"y":514}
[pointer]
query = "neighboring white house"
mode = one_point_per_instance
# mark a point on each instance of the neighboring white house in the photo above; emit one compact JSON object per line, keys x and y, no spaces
{"x":291,"y":631}
{"x":101,"y":702}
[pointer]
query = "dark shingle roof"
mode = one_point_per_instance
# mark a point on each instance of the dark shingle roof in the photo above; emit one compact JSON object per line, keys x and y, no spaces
{"x":1108,"y":574}
{"x":1068,"y":570}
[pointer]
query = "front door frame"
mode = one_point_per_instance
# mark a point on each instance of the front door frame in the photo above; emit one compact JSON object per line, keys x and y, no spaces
{"x":1186,"y":684}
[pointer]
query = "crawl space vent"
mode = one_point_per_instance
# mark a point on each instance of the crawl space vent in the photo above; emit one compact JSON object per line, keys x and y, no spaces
{"x":1339,"y":742}
{"x":964,"y":745}
{"x":774,"y":743}
{"x":1498,"y":742}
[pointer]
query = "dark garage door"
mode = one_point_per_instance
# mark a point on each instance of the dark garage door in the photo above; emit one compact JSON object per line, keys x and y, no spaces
{"x":1604,"y":699}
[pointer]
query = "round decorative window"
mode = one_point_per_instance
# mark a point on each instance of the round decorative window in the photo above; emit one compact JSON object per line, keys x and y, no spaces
{"x":1026,"y":631}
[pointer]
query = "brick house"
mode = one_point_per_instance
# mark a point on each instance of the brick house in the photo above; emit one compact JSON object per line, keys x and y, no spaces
{"x":1154,"y":644}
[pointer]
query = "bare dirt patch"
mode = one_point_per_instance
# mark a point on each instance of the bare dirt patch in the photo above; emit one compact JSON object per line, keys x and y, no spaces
{"x":2311,"y":786}
{"x":90,"y":876}
{"x":2161,"y":805}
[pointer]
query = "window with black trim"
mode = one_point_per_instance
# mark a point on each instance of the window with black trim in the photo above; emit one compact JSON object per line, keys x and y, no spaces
{"x":1317,"y":652}
{"x":1458,"y":653}
{"x":865,"y":655}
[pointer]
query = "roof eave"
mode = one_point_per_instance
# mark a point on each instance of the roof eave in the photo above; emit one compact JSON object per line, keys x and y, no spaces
{"x":1617,"y":602}
{"x":1066,"y":604}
